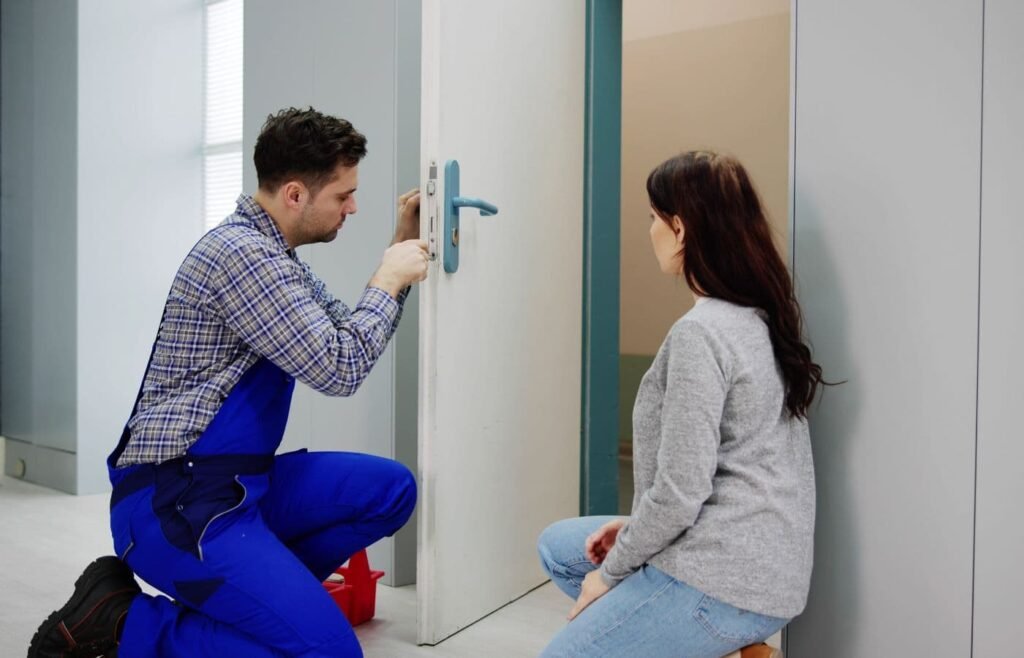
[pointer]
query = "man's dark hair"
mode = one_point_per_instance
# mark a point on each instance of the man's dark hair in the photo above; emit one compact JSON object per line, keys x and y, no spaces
{"x":305,"y":145}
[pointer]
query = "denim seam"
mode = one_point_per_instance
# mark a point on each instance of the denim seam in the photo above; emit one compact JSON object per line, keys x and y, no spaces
{"x":629,"y":614}
{"x":573,"y":564}
{"x":570,"y":577}
{"x":705,"y":622}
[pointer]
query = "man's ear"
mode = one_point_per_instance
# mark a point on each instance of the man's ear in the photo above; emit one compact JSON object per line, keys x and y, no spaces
{"x":294,"y":194}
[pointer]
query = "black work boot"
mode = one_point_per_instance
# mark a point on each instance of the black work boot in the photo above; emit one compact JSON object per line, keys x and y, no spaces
{"x":90,"y":623}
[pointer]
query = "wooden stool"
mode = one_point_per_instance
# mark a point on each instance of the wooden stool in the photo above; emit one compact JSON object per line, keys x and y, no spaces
{"x":756,"y":651}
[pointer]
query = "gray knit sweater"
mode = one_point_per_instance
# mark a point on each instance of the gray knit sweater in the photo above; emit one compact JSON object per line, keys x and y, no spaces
{"x":723,"y":474}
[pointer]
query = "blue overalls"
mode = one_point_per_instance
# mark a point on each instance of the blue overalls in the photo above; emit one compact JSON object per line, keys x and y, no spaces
{"x":241,"y":539}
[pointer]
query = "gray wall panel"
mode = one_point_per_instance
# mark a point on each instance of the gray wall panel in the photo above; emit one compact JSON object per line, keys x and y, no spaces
{"x":35,"y":463}
{"x":343,"y":63}
{"x":39,"y":169}
{"x":102,"y":192}
{"x":408,"y":26}
{"x":999,"y":575}
{"x":886,"y":196}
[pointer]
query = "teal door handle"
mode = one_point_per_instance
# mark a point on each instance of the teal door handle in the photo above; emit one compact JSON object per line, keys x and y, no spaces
{"x":486,"y":209}
{"x":452,"y":203}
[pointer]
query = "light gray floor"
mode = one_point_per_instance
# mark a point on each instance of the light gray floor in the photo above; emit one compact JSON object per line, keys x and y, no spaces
{"x":47,"y":538}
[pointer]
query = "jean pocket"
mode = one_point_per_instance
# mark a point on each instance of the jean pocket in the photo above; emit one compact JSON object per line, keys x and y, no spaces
{"x":731,"y":624}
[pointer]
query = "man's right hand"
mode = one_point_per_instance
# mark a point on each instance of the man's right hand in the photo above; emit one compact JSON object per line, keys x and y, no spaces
{"x":404,"y":264}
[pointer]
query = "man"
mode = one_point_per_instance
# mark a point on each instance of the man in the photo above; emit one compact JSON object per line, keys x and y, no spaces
{"x":202,"y":509}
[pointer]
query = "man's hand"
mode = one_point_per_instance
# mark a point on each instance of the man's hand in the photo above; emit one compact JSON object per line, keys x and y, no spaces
{"x":593,"y":589}
{"x":404,"y":263}
{"x":602,"y":540}
{"x":408,"y":217}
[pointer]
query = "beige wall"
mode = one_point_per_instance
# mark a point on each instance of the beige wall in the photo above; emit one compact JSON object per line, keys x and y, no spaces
{"x":715,"y":84}
{"x":642,"y":19}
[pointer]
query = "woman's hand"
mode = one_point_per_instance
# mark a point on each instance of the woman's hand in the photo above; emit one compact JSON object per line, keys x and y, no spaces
{"x":602,"y":540}
{"x":593,"y":589}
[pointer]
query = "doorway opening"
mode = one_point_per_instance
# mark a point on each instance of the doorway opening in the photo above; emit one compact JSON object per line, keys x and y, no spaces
{"x":696,"y":74}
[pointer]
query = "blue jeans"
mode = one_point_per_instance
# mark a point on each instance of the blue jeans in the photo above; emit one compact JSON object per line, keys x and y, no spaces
{"x":648,"y":614}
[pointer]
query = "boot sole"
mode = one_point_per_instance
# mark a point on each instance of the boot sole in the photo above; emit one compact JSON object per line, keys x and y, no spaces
{"x":93,"y":574}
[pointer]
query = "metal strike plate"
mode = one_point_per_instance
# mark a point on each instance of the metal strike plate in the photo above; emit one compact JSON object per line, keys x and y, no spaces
{"x":432,"y":204}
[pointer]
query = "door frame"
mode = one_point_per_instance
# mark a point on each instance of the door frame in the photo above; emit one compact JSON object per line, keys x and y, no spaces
{"x":602,"y":172}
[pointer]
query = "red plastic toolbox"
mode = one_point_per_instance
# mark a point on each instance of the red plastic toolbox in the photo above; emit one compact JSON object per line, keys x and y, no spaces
{"x":356,"y":594}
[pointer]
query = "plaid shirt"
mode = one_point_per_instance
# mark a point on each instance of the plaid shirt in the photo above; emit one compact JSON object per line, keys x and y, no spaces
{"x":242,"y":294}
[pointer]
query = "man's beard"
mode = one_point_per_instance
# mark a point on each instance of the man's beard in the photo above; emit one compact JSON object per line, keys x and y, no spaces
{"x":313,"y":234}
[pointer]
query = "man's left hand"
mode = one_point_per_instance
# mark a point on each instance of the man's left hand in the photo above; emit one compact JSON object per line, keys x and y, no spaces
{"x":408,"y":216}
{"x":593,"y":589}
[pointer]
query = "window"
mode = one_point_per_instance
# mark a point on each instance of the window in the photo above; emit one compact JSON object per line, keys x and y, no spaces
{"x":222,"y":134}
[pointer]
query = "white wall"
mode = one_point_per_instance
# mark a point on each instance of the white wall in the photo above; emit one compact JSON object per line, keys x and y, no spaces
{"x":102,"y":137}
{"x":140,"y":118}
{"x":347,"y":58}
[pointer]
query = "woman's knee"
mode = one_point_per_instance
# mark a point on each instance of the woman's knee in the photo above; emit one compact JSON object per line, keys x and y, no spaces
{"x":552,"y":544}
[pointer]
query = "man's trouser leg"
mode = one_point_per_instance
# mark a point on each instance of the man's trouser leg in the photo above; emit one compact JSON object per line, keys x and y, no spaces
{"x":252,"y":586}
{"x":326,"y":506}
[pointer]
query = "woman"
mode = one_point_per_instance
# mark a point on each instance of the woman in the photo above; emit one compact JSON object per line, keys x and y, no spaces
{"x":716,"y":554}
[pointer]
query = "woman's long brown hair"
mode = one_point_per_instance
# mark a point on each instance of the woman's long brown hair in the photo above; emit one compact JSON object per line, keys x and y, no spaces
{"x":728,"y":253}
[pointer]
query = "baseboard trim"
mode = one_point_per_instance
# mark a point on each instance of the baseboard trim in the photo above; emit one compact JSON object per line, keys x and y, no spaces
{"x":56,"y":469}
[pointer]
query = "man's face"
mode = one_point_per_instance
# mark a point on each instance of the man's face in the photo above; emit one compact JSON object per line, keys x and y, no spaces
{"x":325,"y":213}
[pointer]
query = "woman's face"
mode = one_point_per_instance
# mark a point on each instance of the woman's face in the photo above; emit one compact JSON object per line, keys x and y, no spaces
{"x":667,"y":241}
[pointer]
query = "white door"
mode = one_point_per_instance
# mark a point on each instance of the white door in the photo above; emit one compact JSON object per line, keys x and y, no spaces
{"x":503,"y":90}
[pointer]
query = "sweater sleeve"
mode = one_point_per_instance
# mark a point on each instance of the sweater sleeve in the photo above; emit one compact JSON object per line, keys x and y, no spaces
{"x":695,"y":391}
